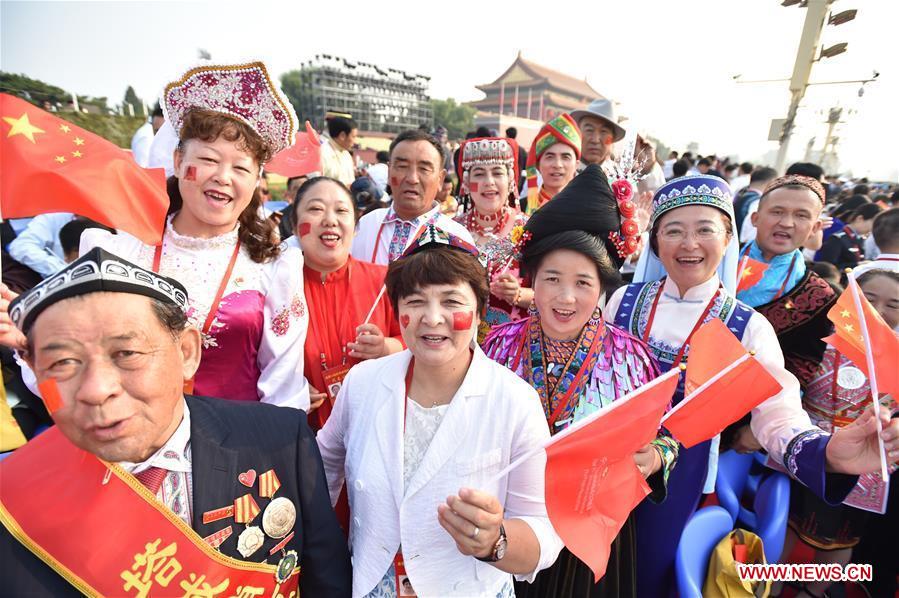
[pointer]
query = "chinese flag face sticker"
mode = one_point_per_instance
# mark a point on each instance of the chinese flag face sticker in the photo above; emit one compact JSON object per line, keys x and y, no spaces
{"x":190,"y":174}
{"x":462,"y":320}
{"x":404,"y":320}
{"x":305,"y":228}
{"x":474,"y":186}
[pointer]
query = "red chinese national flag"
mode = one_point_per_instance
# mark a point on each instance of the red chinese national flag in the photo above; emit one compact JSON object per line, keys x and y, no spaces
{"x":735,"y":383}
{"x":301,"y":158}
{"x":751,"y":272}
{"x":848,"y":339}
{"x":50,"y":165}
{"x":592,"y":482}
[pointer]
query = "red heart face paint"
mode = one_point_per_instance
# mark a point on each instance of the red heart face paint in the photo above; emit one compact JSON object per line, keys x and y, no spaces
{"x":395,"y":181}
{"x":474,"y":186}
{"x":404,"y":321}
{"x":462,"y":320}
{"x":190,"y":174}
{"x":305,"y":228}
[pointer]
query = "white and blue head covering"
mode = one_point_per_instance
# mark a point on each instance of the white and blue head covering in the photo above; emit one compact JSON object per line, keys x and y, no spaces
{"x":702,"y":190}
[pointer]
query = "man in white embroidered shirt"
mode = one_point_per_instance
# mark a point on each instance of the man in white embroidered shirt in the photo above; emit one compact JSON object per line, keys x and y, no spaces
{"x":416,"y":174}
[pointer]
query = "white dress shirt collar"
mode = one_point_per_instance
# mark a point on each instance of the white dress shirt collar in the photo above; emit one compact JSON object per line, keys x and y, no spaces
{"x":700,"y":293}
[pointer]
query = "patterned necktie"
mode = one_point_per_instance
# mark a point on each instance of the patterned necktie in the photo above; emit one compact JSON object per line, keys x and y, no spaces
{"x":401,"y":232}
{"x":152,"y":478}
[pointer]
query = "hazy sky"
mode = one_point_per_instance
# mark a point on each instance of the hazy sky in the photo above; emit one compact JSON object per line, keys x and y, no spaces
{"x":669,"y":63}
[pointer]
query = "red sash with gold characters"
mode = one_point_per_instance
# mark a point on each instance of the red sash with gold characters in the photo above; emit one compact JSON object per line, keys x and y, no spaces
{"x":101,"y":530}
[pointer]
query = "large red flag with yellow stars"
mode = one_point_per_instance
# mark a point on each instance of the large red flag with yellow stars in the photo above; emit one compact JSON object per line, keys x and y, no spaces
{"x":50,"y":165}
{"x":848,"y":339}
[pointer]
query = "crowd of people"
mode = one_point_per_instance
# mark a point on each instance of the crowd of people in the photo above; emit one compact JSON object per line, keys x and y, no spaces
{"x":328,"y":395}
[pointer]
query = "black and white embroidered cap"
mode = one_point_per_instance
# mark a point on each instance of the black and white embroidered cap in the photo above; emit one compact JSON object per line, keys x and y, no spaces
{"x":97,"y":270}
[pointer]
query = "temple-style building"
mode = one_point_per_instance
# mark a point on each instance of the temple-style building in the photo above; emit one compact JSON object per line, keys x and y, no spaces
{"x":527,"y":95}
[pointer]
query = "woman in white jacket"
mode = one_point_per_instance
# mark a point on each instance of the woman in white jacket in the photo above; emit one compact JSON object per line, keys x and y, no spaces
{"x":420,"y":435}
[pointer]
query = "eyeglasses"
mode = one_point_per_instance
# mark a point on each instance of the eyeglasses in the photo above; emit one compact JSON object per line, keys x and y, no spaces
{"x":679,"y":235}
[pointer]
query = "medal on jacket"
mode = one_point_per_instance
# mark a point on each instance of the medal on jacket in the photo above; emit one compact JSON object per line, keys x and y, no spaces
{"x":279,"y":517}
{"x":249,"y":541}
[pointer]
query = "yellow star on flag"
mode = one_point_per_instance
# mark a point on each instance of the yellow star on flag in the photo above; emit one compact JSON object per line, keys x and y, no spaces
{"x":22,"y":126}
{"x":60,"y":159}
{"x":747,"y":271}
{"x":849,"y":327}
{"x":845,"y":313}
{"x":65,"y":128}
{"x":78,"y":141}
{"x":76,"y":154}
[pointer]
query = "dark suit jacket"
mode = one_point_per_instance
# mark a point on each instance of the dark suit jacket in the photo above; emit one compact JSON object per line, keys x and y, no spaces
{"x":227,"y":438}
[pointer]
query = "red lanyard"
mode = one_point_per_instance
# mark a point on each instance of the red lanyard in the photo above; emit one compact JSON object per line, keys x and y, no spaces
{"x":374,"y":252}
{"x":786,"y":278}
{"x":210,"y":317}
{"x":652,"y":316}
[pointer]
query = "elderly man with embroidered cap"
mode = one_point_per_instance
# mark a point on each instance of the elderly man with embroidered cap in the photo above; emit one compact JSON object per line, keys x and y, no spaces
{"x":139,"y":489}
{"x":599,"y":130}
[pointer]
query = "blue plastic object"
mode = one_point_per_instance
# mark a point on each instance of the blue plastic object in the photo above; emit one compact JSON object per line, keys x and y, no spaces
{"x":705,"y":529}
{"x":733,"y":474}
{"x":772,"y":506}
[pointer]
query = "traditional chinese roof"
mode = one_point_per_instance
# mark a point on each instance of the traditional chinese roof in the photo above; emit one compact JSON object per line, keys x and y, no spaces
{"x":525,"y":73}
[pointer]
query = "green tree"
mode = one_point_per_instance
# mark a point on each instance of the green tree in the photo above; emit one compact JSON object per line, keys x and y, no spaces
{"x":136,"y":102}
{"x":457,"y":118}
{"x":35,"y":91}
{"x":292,"y":85}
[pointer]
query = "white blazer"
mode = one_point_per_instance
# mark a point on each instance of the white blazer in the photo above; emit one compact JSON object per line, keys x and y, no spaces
{"x":493,"y":418}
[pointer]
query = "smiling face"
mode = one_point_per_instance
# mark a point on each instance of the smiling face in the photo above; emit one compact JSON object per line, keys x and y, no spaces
{"x":597,"y":138}
{"x":566,"y":291}
{"x":489,"y":188}
{"x":557,"y":166}
{"x":325,"y":225}
{"x":438,"y":323}
{"x":882,"y":290}
{"x":120,"y":372}
{"x":785,"y":219}
{"x":416,"y":174}
{"x":691,"y":243}
{"x":217,"y":180}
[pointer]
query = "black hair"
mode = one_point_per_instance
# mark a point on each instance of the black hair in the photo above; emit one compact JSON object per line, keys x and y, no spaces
{"x":587,"y":244}
{"x":705,"y":162}
{"x":382,"y":157}
{"x":746,"y":168}
{"x":808,"y":169}
{"x":157,"y":111}
{"x":763,"y":175}
{"x":436,"y":266}
{"x":70,"y":233}
{"x":483,"y":132}
{"x":419,"y":135}
{"x":680,"y":167}
{"x":886,"y":228}
{"x":511,"y":132}
{"x":340,"y":124}
{"x":867,"y":212}
{"x":861,"y":190}
{"x":874,"y":272}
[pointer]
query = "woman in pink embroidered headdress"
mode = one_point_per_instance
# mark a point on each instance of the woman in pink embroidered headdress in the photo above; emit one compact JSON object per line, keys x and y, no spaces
{"x":487,"y":188}
{"x":246,"y":292}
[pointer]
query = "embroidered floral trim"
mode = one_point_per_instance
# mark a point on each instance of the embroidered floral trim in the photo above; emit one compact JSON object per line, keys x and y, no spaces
{"x":281,"y":322}
{"x":186,"y":242}
{"x":795,"y":446}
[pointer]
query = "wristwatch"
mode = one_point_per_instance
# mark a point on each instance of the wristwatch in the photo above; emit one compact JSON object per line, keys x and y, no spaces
{"x":499,"y":549}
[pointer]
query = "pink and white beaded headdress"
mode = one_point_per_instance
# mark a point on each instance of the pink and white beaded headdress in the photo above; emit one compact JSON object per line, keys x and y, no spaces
{"x":245,"y":92}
